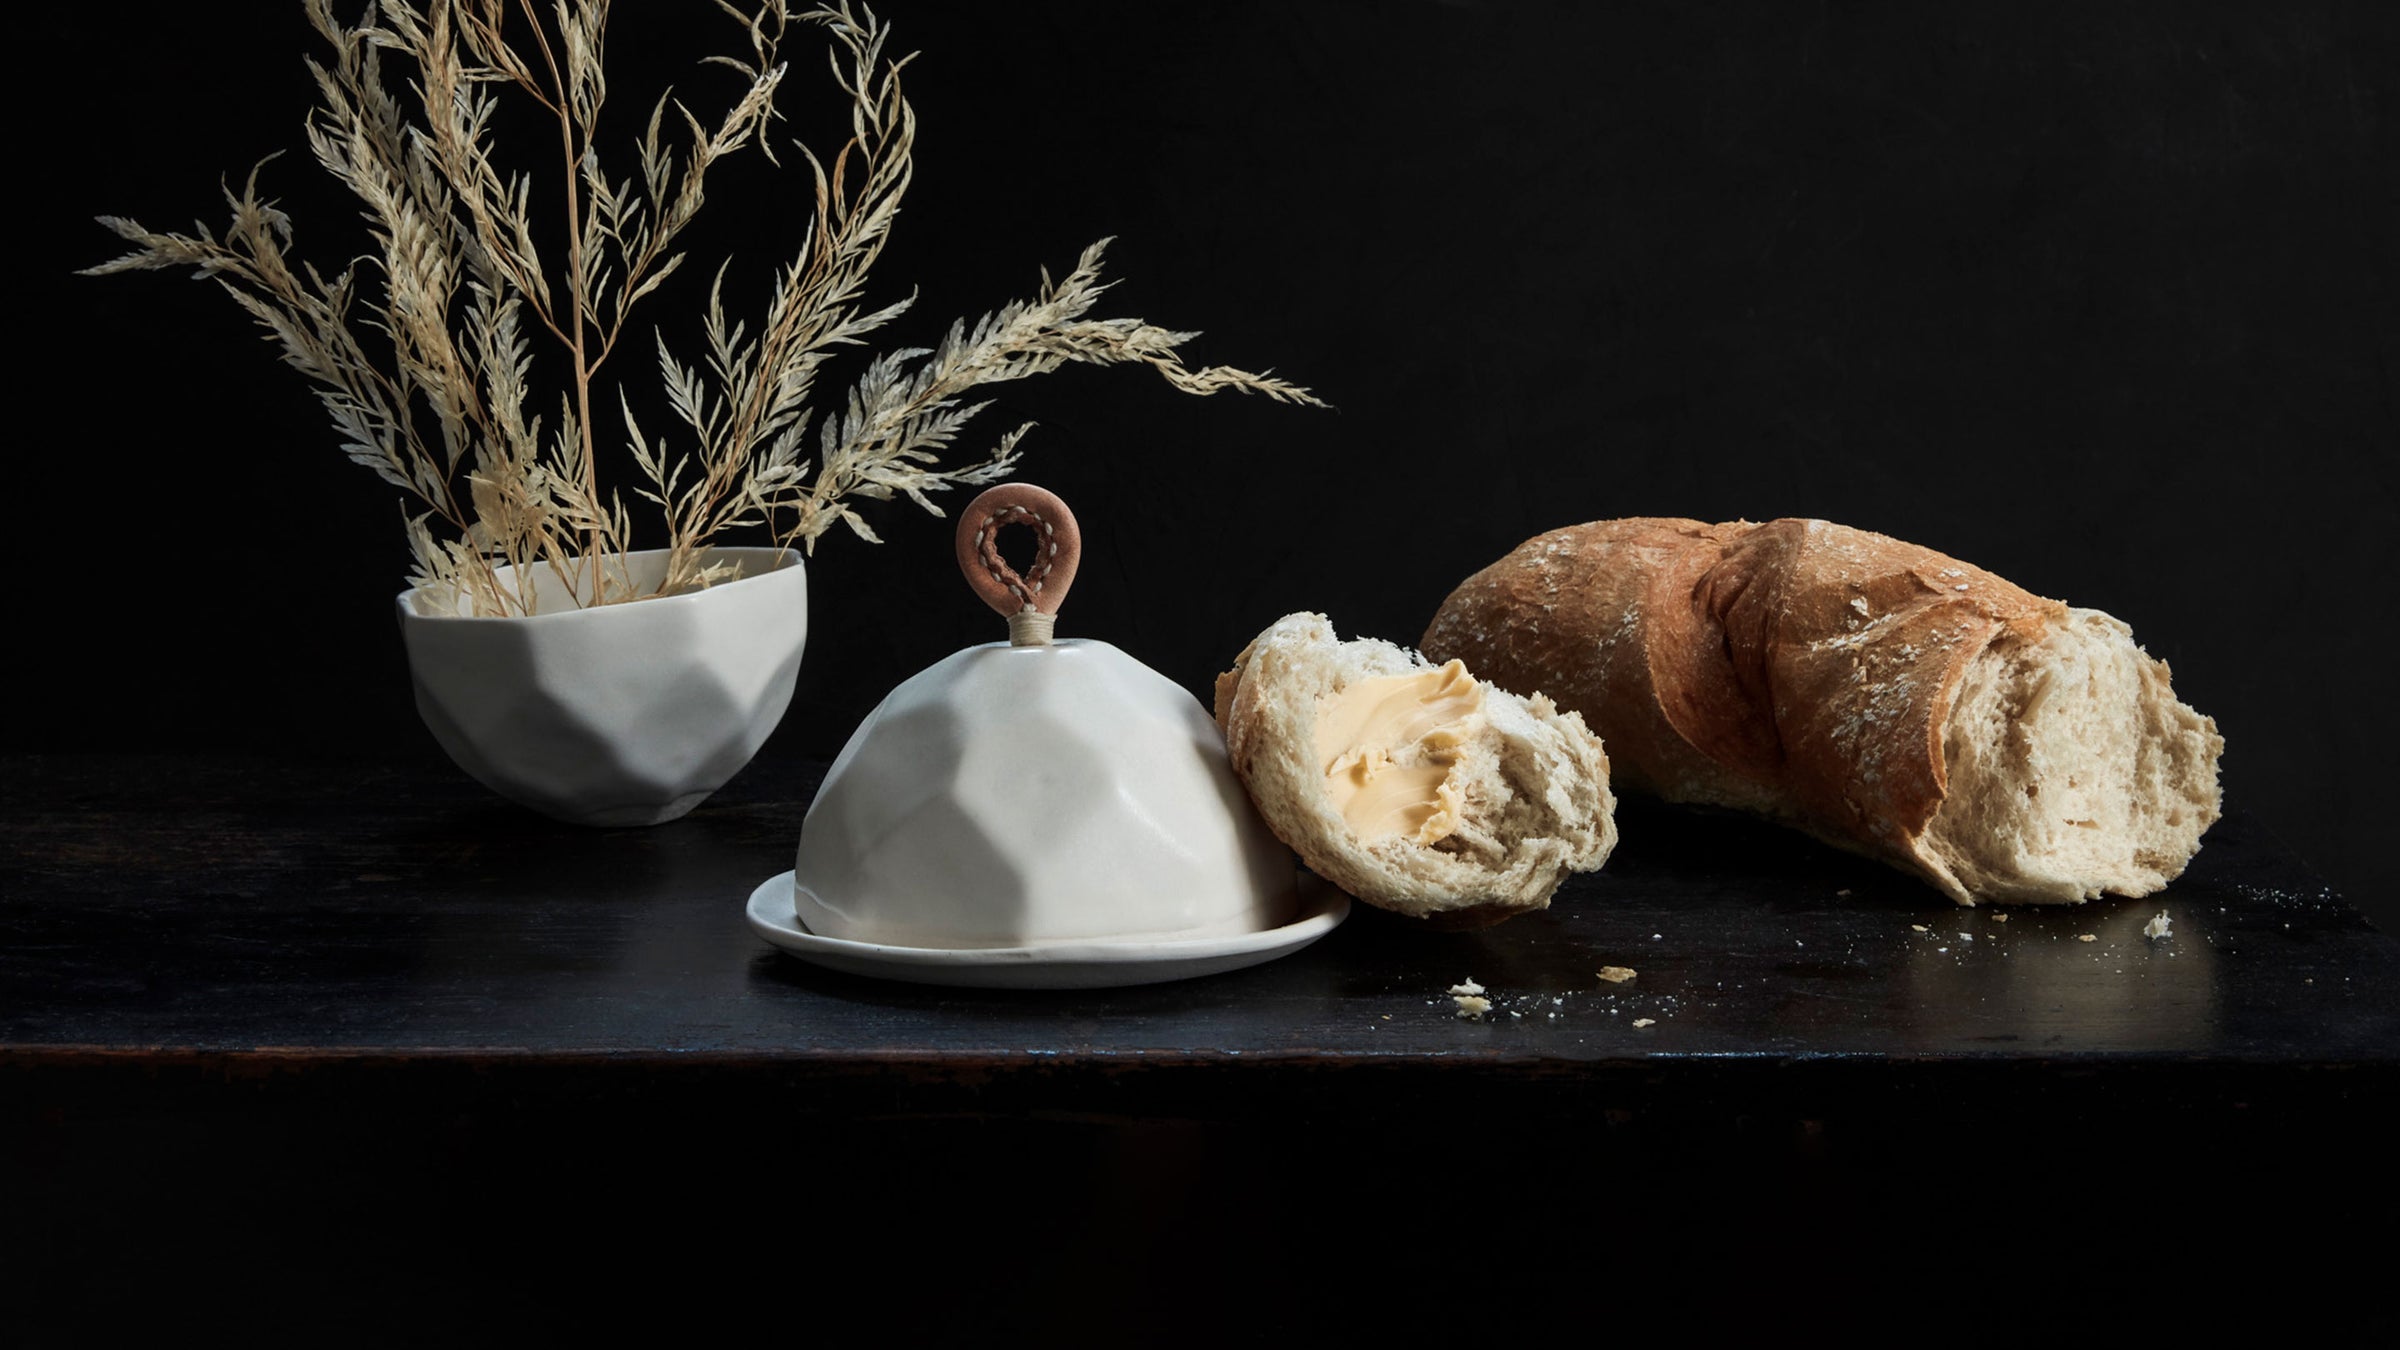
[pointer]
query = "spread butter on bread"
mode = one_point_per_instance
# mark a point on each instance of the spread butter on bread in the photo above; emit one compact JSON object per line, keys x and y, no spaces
{"x":1417,"y":788}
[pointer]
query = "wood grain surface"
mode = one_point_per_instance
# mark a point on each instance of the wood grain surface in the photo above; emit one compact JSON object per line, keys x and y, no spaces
{"x":417,"y":1050}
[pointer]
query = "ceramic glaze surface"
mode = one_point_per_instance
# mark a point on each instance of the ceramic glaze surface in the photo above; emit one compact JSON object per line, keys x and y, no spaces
{"x":1098,"y":964}
{"x":626,"y":714}
{"x":1013,"y":795}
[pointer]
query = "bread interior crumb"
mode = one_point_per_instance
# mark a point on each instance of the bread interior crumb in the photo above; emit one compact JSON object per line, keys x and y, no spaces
{"x":2073,"y":770}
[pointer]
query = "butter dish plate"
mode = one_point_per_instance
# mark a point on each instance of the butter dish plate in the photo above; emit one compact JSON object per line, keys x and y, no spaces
{"x":774,"y":916}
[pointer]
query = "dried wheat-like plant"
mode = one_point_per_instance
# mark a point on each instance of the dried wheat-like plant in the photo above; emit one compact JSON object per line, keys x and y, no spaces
{"x":422,"y":353}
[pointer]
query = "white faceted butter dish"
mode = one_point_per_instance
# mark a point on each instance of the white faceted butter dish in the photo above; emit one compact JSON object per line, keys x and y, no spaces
{"x":1045,"y":803}
{"x":1007,"y":796}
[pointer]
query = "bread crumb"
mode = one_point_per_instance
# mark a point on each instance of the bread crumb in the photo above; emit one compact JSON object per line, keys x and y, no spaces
{"x":2160,"y":927}
{"x":1918,"y":928}
{"x":1645,"y":1022}
{"x":1999,"y":918}
{"x":1616,"y":974}
{"x":1843,"y":891}
{"x":2087,"y":937}
{"x":1468,"y":995}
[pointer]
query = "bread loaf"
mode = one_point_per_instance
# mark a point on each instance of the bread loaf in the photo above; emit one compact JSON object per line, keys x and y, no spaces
{"x":1879,"y":695}
{"x":1413,"y":787}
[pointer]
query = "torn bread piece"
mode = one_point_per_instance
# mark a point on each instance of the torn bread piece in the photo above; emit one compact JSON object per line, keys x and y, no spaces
{"x":1416,"y":788}
{"x":1875,"y":693}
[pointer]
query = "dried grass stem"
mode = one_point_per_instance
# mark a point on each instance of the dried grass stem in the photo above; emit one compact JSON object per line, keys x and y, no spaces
{"x":420,"y":353}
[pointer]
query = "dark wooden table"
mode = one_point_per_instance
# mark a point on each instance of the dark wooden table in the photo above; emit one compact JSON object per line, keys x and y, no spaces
{"x":243,"y":1002}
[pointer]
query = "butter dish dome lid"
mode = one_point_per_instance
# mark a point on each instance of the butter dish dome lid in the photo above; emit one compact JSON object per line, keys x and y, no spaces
{"x":1036,"y":790}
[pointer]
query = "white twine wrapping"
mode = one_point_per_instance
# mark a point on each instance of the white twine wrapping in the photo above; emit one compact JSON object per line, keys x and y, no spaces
{"x":1029,"y":627}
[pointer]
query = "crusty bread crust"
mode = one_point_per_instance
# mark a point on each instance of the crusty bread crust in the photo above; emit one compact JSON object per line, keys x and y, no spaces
{"x":1799,"y":669}
{"x":1535,"y":781}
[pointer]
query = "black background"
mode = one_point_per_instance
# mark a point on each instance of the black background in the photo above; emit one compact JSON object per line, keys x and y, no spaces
{"x":2101,"y":297}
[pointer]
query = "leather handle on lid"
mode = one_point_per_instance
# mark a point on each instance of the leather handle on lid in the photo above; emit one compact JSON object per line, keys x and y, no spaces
{"x":1029,"y":599}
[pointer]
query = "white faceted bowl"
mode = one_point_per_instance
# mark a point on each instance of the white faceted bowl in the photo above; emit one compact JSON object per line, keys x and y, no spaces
{"x":1018,"y":796}
{"x":626,"y":714}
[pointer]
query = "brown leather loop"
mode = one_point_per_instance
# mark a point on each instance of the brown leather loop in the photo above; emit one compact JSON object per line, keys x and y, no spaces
{"x":1058,"y":547}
